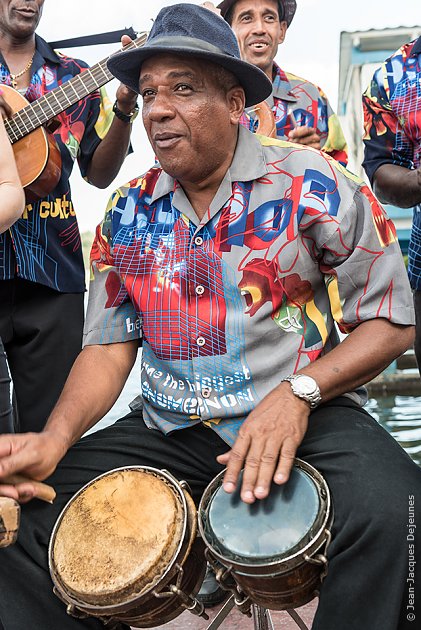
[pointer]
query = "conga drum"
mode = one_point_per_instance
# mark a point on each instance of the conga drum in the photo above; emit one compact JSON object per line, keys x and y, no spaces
{"x":125,"y":548}
{"x":274,"y":549}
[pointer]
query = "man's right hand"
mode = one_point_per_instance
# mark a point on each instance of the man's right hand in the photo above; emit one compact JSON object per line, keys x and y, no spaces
{"x":34,"y":455}
{"x":307,"y":136}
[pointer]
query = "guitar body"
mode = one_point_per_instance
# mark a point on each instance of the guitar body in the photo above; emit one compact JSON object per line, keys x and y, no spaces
{"x":37,"y":156}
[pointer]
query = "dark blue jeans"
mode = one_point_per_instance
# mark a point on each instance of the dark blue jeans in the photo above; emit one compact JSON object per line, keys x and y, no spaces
{"x":372,"y":481}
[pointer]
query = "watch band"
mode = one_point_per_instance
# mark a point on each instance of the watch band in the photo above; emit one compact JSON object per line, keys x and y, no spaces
{"x":126,"y":118}
{"x":313,"y":397}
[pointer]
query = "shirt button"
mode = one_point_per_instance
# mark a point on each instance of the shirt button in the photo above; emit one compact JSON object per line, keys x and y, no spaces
{"x":200,"y":341}
{"x":200,"y":290}
{"x":198,"y":240}
{"x":206,"y":392}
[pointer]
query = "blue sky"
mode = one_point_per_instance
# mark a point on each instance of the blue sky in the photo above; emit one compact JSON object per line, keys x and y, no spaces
{"x":311,"y":50}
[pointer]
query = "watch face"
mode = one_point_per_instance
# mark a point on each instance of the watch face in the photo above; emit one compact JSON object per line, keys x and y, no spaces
{"x":306,"y":384}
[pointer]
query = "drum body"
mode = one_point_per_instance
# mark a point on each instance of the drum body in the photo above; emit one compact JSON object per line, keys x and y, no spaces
{"x":274,"y":549}
{"x":125,"y":548}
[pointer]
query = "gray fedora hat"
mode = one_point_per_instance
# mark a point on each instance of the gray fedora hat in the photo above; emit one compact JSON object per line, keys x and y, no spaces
{"x":287,"y":12}
{"x":192,"y":31}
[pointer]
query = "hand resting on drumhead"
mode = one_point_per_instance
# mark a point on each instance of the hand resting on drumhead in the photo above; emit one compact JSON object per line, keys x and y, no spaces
{"x":270,"y":436}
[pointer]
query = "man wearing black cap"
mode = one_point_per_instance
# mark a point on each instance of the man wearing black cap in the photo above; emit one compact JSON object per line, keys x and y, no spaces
{"x":230,"y":261}
{"x":301,"y":110}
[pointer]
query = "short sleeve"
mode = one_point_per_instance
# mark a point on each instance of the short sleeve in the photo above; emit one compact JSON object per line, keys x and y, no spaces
{"x":382,"y":129}
{"x":359,"y":256}
{"x":111,"y":316}
{"x":334,"y":144}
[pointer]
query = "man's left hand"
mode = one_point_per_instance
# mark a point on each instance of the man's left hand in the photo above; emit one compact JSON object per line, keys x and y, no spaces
{"x":305,"y":135}
{"x":266,"y":444}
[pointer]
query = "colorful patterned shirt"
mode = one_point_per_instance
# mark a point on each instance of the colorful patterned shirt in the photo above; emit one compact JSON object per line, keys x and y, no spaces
{"x":228,"y":306}
{"x":392,"y":126}
{"x":309,"y":107}
{"x":44,"y":246}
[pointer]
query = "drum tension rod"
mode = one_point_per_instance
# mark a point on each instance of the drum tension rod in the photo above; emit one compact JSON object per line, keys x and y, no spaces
{"x":189,"y":603}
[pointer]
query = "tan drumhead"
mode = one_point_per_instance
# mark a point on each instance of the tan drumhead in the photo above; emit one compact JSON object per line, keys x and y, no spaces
{"x":117,"y":537}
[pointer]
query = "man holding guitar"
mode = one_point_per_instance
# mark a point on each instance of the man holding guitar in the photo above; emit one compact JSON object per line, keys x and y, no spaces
{"x":42,"y":278}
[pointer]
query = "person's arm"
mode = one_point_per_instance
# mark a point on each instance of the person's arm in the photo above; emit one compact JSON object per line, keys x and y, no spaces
{"x":271,"y":434}
{"x":397,"y":185}
{"x":11,"y":191}
{"x":94,"y":384}
{"x":388,"y":151}
{"x":331,"y":142}
{"x":112,"y":150}
{"x":358,"y":255}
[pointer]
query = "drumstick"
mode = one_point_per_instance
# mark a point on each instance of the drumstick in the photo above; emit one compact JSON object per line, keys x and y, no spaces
{"x":42,"y":490}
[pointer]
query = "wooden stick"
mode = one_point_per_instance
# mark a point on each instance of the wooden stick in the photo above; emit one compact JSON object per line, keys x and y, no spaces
{"x":9,"y":521}
{"x":42,"y":490}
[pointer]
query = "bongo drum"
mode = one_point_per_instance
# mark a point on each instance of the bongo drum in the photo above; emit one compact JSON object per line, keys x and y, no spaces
{"x":274,"y":549}
{"x":125,"y":548}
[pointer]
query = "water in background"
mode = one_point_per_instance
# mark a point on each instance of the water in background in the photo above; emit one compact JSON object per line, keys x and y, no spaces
{"x":400,"y":415}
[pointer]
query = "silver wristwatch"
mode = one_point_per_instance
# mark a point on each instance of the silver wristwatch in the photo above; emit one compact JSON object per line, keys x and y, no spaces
{"x":306,"y":388}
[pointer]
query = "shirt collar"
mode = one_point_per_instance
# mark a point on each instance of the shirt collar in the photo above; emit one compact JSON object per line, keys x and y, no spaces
{"x":416,"y":49}
{"x":281,"y":87}
{"x":248,"y":164}
{"x":43,"y":53}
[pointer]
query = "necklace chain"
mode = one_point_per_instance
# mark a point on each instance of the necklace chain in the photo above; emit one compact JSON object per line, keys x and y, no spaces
{"x":13,"y":77}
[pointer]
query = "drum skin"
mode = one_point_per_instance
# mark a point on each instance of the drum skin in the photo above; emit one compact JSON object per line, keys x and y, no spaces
{"x":118,"y":544}
{"x":274,"y":549}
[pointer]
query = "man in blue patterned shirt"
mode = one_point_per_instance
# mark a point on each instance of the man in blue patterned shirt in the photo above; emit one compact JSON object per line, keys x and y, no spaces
{"x":230,"y":261}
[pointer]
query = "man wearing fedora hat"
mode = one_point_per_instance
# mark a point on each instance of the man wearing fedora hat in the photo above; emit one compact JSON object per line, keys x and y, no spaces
{"x":230,"y":261}
{"x":301,"y":109}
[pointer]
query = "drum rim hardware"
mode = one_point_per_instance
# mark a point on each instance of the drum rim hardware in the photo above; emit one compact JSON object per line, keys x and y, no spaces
{"x":169,"y":577}
{"x":320,"y":536}
{"x":283,"y":581}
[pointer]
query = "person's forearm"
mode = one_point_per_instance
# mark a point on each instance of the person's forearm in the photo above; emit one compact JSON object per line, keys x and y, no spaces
{"x":110,"y":154}
{"x":361,"y":356}
{"x":12,"y":195}
{"x":397,"y":185}
{"x":94,"y":384}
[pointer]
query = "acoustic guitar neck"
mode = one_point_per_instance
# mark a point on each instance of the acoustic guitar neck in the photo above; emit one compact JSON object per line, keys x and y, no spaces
{"x":53,"y":103}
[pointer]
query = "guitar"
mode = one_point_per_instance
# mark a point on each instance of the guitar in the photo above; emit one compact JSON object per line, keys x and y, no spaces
{"x":37,"y":156}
